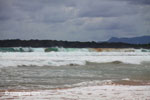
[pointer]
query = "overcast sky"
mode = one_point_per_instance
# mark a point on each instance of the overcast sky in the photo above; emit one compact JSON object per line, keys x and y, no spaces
{"x":81,"y":20}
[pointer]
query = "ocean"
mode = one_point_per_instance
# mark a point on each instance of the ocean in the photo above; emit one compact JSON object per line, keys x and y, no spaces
{"x":60,"y":68}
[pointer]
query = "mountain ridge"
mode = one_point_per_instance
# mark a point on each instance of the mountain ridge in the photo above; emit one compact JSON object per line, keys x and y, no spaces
{"x":132,"y":40}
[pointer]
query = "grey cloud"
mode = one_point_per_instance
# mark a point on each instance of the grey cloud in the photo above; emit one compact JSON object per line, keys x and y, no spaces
{"x":108,"y":8}
{"x":52,"y":15}
{"x":47,"y":11}
{"x":5,"y":10}
{"x":143,"y":2}
{"x":112,"y":27}
{"x":73,"y":19}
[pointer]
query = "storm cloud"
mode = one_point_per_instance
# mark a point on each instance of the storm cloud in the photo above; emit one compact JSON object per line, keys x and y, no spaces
{"x":82,"y":20}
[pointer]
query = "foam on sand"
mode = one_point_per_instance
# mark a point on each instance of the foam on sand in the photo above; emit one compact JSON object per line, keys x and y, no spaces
{"x":106,"y":92}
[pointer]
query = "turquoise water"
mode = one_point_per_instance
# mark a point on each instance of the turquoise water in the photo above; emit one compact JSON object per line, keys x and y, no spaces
{"x":53,"y":49}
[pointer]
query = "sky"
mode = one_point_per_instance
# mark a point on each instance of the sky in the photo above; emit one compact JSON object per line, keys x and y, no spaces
{"x":73,"y":20}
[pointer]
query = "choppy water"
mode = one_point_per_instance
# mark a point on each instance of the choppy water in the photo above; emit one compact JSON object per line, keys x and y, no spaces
{"x":76,"y":67}
{"x":44,"y":77}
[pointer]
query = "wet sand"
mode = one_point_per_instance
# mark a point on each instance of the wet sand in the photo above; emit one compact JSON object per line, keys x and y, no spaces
{"x":114,"y":91}
{"x":131,"y":83}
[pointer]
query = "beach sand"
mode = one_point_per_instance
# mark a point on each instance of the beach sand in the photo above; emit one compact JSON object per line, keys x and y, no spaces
{"x":104,"y":92}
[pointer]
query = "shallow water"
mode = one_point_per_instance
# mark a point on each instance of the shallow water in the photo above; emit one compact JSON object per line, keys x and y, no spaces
{"x":73,"y":68}
{"x":46,"y":77}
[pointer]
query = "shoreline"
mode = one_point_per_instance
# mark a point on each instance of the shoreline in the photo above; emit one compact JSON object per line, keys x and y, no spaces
{"x":106,"y":92}
{"x":109,"y":83}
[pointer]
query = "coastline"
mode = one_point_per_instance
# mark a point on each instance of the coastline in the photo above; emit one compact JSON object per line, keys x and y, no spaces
{"x":83,"y":75}
{"x":110,"y":91}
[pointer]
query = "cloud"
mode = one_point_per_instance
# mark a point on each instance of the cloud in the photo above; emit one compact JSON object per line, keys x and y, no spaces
{"x":141,"y":2}
{"x":83,"y":20}
{"x":105,"y":8}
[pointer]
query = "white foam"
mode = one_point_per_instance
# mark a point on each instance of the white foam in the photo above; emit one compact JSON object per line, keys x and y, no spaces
{"x":91,"y":83}
{"x":67,"y":58}
{"x":126,"y":79}
{"x":106,"y":92}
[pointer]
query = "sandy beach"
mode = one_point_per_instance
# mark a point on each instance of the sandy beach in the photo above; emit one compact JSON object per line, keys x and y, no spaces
{"x":104,"y":92}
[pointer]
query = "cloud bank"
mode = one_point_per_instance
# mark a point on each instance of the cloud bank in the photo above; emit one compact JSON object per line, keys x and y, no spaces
{"x":82,"y":20}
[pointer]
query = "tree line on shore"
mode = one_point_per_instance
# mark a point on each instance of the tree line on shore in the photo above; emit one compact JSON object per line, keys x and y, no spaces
{"x":68,"y":44}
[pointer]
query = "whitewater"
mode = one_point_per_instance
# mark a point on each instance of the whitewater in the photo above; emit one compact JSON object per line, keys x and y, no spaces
{"x":75,"y":73}
{"x":69,"y":56}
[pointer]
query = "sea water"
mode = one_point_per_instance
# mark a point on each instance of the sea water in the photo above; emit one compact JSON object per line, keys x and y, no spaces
{"x":33,"y":68}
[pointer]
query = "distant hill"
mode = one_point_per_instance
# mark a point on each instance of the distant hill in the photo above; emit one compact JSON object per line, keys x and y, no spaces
{"x":134,"y":40}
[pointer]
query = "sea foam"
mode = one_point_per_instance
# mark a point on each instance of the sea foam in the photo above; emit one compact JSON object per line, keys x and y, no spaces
{"x":69,"y":58}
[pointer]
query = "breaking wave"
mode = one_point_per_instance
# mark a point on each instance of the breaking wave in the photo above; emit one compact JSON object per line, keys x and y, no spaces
{"x":52,"y":49}
{"x":70,"y":58}
{"x":58,"y":49}
{"x":91,"y":83}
